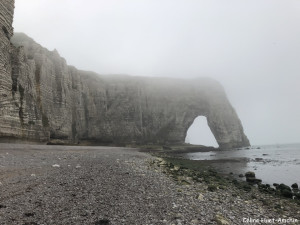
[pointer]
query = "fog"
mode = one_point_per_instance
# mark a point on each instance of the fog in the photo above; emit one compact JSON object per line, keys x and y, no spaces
{"x":199,"y":133}
{"x":252,"y":47}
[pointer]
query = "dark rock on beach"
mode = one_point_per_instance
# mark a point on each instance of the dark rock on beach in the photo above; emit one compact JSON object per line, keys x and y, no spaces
{"x":250,"y":174}
{"x":250,"y":177}
{"x":282,"y":187}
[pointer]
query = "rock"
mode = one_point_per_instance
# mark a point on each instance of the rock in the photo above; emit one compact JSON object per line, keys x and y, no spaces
{"x":295,"y":186}
{"x":29,"y":214}
{"x":45,"y":100}
{"x":185,"y":182}
{"x":286,"y":193}
{"x":176,"y":168}
{"x":195,"y":221}
{"x":241,"y":175}
{"x":250,"y":177}
{"x":246,"y":187}
{"x":200,"y":197}
{"x":177,"y":216}
{"x":212,"y":188}
{"x":163,"y":163}
{"x":56,"y":165}
{"x":249,"y":174}
{"x":253,"y":180}
{"x":221,"y":220}
{"x":284,"y":190}
{"x":282,"y":187}
{"x":102,"y":222}
{"x":297,"y":196}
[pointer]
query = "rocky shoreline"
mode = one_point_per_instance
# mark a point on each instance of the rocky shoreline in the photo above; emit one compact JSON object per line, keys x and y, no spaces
{"x":280,"y":200}
{"x":112,"y":185}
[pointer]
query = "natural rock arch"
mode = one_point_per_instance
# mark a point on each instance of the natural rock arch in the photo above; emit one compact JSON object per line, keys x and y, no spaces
{"x":60,"y":103}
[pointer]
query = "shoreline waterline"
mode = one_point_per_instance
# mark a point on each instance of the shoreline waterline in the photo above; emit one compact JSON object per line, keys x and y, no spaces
{"x":271,"y":163}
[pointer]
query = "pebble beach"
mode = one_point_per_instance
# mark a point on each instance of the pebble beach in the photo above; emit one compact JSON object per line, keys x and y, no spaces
{"x":112,"y":185}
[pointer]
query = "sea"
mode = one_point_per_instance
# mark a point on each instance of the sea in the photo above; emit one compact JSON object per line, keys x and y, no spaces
{"x":271,"y":163}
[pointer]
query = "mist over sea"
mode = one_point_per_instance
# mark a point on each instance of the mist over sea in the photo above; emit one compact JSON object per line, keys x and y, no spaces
{"x":271,"y":163}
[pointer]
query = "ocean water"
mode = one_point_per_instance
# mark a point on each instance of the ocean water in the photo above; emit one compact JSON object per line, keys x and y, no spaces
{"x":271,"y":163}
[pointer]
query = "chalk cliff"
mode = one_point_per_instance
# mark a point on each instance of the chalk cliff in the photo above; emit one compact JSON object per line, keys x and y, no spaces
{"x":44,"y":99}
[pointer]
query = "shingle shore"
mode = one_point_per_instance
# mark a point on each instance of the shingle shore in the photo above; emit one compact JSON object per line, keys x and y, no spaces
{"x":108,"y":185}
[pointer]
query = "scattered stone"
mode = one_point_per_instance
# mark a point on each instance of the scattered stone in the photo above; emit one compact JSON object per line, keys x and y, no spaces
{"x":29,"y":214}
{"x":200,"y":197}
{"x":177,"y":216}
{"x":176,"y":168}
{"x":195,"y":221}
{"x":212,"y":188}
{"x":221,"y":220}
{"x":185,"y":182}
{"x":253,"y":180}
{"x":102,"y":222}
{"x":246,"y":187}
{"x":56,"y":165}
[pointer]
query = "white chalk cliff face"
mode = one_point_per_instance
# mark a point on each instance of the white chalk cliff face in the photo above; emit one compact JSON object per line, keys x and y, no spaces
{"x":44,"y":99}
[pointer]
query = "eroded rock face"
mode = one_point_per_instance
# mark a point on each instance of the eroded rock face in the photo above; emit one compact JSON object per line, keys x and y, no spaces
{"x":44,"y":99}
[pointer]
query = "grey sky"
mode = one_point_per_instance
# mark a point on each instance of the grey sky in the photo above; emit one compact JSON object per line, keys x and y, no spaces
{"x":252,"y":47}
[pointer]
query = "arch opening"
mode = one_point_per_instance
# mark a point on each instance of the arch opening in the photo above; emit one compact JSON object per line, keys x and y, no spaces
{"x":199,"y":133}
